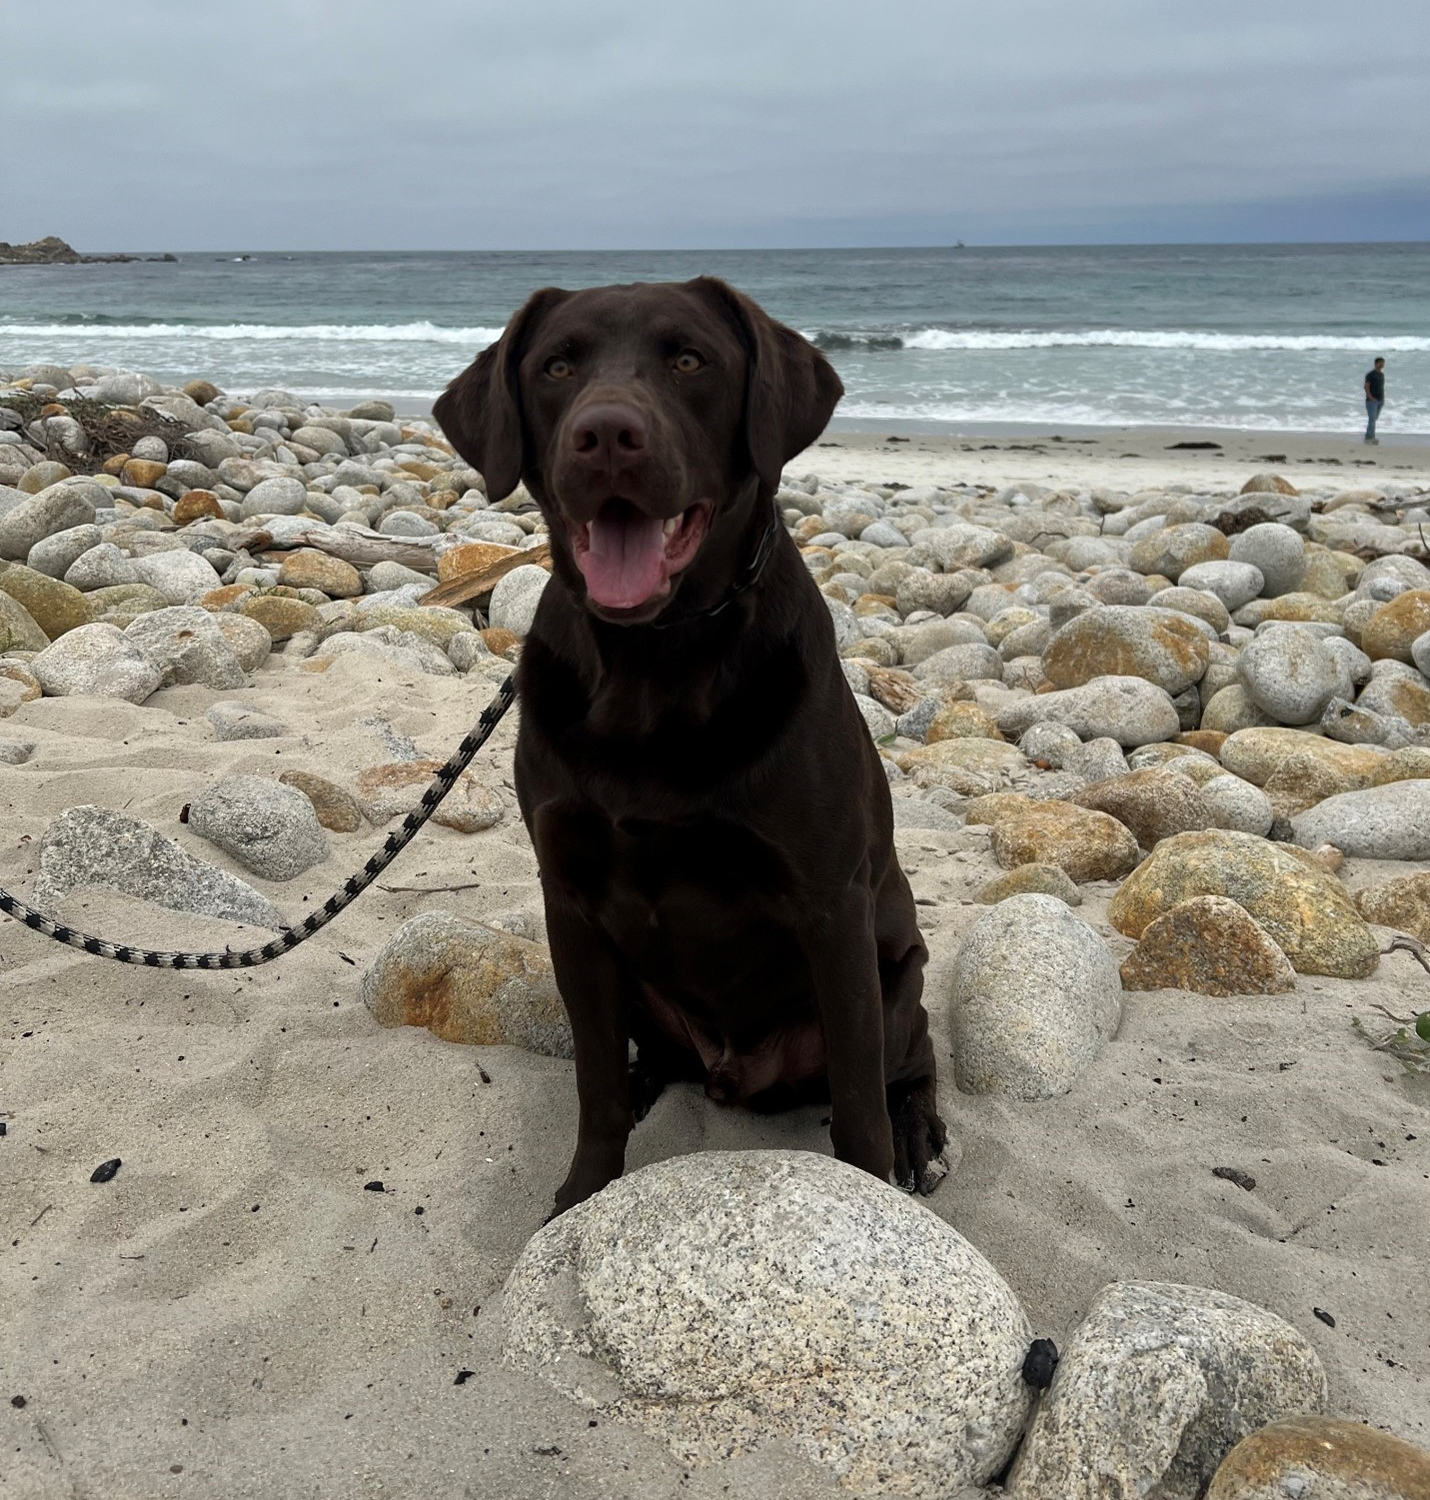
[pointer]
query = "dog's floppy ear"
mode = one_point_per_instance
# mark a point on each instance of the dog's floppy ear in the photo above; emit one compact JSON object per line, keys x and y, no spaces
{"x":480,"y":411}
{"x":792,"y":390}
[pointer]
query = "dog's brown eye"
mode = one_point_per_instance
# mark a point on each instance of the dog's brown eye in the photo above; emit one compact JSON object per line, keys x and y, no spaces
{"x":558,"y":368}
{"x":688,"y":362}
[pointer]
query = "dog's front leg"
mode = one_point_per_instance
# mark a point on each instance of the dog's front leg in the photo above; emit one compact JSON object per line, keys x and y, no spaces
{"x":843,"y":961}
{"x":593,"y":988}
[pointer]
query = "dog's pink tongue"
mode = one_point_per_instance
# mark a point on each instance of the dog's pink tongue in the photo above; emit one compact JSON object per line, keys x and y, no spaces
{"x":623,"y":567}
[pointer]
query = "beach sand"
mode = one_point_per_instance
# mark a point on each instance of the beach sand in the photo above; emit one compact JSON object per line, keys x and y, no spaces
{"x":235,"y":1315}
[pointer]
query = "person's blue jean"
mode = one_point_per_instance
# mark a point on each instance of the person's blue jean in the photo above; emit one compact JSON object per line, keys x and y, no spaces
{"x":1372,"y":411}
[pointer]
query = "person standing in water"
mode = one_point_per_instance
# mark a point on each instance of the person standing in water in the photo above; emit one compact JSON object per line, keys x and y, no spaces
{"x":1374,"y":398}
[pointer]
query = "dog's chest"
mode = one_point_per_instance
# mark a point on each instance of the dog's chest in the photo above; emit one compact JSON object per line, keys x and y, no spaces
{"x":688,"y":901}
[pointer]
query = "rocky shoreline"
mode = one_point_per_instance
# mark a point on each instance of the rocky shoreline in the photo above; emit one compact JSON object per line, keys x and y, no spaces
{"x":1166,"y":747}
{"x":53,"y":251}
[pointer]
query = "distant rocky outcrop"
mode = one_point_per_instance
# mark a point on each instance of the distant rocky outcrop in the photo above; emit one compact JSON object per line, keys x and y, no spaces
{"x":53,"y":251}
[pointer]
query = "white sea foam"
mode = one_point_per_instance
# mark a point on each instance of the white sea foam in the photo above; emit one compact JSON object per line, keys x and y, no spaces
{"x":316,"y":333}
{"x":942,"y":339}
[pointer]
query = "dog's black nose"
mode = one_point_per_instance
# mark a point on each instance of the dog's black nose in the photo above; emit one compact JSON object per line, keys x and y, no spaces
{"x":607,"y":430}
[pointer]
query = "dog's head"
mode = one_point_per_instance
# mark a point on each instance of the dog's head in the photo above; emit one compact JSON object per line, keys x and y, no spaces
{"x":647,"y":421}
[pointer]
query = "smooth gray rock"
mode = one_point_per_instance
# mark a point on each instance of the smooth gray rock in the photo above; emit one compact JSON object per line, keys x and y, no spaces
{"x":179,"y":575}
{"x":125,"y":388}
{"x":877,"y":719}
{"x":1234,"y":583}
{"x":96,"y":661}
{"x":406,"y":523}
{"x":186,"y":644}
{"x":1234,"y":803}
{"x":909,"y":813}
{"x":1099,"y":760}
{"x":961,"y":545}
{"x":968,"y":663}
{"x":940,"y":592}
{"x":1278,"y":551}
{"x":1291,"y":675}
{"x":400,"y":648}
{"x":726,"y":1298}
{"x":237,"y":721}
{"x":16,"y":752}
{"x":97,"y":846}
{"x":1036,"y":993}
{"x":386,"y":575}
{"x":1155,"y":1388}
{"x":1130,"y":710}
{"x":515,"y":597}
{"x":1381,"y":822}
{"x":275,"y":497}
{"x":56,"y":554}
{"x":1049,"y":742}
{"x":466,"y":649}
{"x":267,"y":827}
{"x":57,"y":508}
{"x":101,"y":567}
{"x":211,"y":447}
{"x":1420,"y":652}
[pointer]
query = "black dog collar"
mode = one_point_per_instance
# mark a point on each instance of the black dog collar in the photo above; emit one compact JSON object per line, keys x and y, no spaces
{"x":747,"y":579}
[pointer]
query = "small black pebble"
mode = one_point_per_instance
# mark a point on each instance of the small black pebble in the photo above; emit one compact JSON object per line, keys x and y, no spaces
{"x":105,"y":1171}
{"x":17,"y":1402}
{"x":1236,"y":1175}
{"x":1039,"y":1363}
{"x":4,"y":1129}
{"x":1324,"y":1316}
{"x":419,"y":1209}
{"x":375,"y":1186}
{"x":184,"y":813}
{"x":463,"y":1376}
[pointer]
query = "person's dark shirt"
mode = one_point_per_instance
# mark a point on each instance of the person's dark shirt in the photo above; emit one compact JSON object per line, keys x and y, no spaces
{"x":1375,"y":384}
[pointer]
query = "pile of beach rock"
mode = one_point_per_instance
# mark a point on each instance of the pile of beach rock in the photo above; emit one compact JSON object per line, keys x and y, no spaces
{"x":1198,"y":703}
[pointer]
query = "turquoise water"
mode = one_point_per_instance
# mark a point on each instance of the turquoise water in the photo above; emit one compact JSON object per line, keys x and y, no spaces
{"x":1268,"y":337}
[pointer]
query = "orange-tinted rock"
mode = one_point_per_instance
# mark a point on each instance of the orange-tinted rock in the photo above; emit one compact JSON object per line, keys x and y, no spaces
{"x":1154,"y":804}
{"x":227,"y":597}
{"x":500,"y":641}
{"x":1120,"y":640}
{"x":1391,"y":629}
{"x":1208,"y":945}
{"x":307,"y":568}
{"x":467,"y":983}
{"x":1403,"y":904}
{"x":961,"y":721}
{"x":281,"y":617}
{"x":202,"y":391}
{"x":470,"y":557}
{"x":143,"y":473}
{"x":336,"y":809}
{"x":1086,"y":845}
{"x":1304,"y":909}
{"x":1268,"y":484}
{"x":196,"y":505}
{"x":1322,"y":1458}
{"x":391,"y":791}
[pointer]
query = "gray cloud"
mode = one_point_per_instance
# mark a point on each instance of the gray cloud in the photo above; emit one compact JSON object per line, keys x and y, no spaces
{"x":631,"y":123}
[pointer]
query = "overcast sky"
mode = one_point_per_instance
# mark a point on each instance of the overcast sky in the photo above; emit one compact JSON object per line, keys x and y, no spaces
{"x":584,"y":124}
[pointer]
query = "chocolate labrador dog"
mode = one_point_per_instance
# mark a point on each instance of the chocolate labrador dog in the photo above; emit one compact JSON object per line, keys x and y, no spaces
{"x":712,"y":823}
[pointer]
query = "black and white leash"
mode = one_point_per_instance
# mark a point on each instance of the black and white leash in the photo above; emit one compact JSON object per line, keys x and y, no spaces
{"x":250,"y":958}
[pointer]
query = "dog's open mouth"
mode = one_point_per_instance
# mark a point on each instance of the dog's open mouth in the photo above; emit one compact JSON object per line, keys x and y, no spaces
{"x":628,"y":558}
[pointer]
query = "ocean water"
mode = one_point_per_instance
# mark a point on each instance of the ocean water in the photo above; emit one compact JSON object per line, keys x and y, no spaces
{"x":1260,"y":337}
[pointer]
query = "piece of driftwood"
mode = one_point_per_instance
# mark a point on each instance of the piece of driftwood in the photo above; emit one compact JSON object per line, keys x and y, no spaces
{"x":470,"y":586}
{"x":363,"y":548}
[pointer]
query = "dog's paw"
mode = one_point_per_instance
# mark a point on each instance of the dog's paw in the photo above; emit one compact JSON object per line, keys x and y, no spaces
{"x":646,"y":1087}
{"x":919,"y":1138}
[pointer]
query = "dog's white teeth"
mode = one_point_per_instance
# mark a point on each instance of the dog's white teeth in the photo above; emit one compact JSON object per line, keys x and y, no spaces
{"x":672,"y":525}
